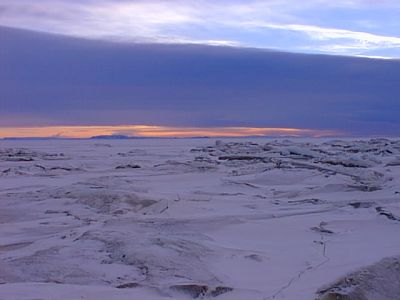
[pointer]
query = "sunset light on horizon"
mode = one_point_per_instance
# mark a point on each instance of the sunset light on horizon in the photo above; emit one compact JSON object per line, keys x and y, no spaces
{"x":157,"y":131}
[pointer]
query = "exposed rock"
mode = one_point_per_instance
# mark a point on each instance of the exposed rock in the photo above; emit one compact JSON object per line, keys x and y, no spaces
{"x":321,"y":228}
{"x":381,"y":211}
{"x":128,"y":166}
{"x":251,"y":158}
{"x":361,"y":204}
{"x":128,"y":285}
{"x":307,"y":201}
{"x":200,"y":291}
{"x":380,"y":281}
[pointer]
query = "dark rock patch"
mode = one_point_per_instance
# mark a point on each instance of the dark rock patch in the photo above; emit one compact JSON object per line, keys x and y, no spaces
{"x":128,"y":285}
{"x":361,"y":204}
{"x":129,"y":166}
{"x":380,"y":281}
{"x":200,"y":291}
{"x":381,"y":211}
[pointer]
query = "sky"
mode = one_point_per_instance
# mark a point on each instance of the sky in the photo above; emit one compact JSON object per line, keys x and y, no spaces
{"x":349,"y":27}
{"x":204,"y":67}
{"x":142,"y":131}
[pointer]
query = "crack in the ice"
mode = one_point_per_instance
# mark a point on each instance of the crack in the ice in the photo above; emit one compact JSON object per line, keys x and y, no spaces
{"x":322,"y":242}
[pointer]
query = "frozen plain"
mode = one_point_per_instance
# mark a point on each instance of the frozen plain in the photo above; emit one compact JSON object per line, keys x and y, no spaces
{"x":252,"y":219}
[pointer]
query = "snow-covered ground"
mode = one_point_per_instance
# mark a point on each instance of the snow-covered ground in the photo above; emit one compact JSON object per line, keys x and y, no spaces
{"x":199,"y":218}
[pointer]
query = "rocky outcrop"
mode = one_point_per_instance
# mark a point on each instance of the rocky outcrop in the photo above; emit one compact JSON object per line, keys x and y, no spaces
{"x":379,"y":281}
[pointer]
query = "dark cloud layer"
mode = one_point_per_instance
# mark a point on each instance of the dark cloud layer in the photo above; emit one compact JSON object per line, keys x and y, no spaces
{"x":47,"y":79}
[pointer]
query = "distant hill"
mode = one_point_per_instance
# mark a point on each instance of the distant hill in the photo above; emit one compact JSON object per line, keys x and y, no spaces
{"x":111,"y":137}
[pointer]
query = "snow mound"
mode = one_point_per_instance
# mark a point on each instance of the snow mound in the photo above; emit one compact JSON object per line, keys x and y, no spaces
{"x":379,"y":281}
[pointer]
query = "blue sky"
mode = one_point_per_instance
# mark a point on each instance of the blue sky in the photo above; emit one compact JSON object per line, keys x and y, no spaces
{"x":344,"y":27}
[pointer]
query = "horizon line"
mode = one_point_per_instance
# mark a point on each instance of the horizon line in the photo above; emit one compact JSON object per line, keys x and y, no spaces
{"x":156,"y":131}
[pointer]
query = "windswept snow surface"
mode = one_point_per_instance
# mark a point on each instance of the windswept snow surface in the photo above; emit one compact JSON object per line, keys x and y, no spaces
{"x":195,"y":218}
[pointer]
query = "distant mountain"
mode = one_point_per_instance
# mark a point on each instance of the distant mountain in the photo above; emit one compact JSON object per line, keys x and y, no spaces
{"x":111,"y":137}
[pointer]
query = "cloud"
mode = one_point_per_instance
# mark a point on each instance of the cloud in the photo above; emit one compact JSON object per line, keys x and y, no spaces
{"x":56,"y":80}
{"x":321,"y":33}
{"x":350,"y":40}
{"x":255,"y":23}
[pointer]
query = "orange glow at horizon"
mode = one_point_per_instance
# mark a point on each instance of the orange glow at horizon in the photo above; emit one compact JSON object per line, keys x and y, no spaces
{"x":157,"y":131}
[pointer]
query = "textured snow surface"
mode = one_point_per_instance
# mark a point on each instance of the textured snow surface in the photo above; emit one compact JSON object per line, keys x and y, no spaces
{"x":199,"y":218}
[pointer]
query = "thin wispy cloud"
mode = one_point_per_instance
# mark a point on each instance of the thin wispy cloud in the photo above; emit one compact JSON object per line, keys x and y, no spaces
{"x":277,"y":24}
{"x":337,"y":40}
